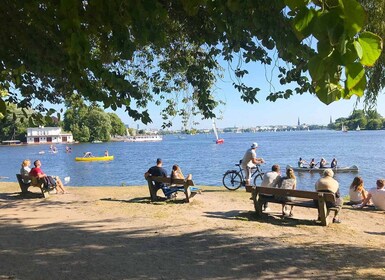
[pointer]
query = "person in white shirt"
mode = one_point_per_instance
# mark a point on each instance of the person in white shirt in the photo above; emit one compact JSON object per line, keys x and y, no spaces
{"x":377,"y":195}
{"x":271,"y":179}
{"x":249,"y":160}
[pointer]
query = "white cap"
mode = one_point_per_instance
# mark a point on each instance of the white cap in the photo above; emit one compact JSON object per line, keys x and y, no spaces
{"x":254,"y":145}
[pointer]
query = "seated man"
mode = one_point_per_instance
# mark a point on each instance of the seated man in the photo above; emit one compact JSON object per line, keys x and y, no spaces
{"x":158,"y":170}
{"x":271,"y":180}
{"x":328,"y":184}
{"x":377,"y":195}
{"x":42,"y":178}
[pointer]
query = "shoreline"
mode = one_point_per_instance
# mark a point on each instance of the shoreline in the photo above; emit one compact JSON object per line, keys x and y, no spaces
{"x":116,"y":233}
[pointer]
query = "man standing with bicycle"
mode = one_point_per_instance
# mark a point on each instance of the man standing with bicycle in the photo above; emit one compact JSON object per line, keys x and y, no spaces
{"x":249,"y":160}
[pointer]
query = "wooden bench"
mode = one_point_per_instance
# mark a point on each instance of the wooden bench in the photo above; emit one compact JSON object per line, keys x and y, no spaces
{"x":306,"y":199}
{"x":186,"y":183}
{"x":34,"y":183}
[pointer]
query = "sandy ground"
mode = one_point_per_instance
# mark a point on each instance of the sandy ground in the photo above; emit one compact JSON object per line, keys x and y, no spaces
{"x":116,"y":233}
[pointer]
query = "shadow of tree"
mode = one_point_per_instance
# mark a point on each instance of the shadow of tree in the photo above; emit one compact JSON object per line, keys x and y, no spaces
{"x":146,"y":200}
{"x":271,"y":218}
{"x":73,"y":251}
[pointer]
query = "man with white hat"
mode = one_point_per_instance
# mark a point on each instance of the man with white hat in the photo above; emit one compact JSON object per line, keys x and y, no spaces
{"x":249,"y":160}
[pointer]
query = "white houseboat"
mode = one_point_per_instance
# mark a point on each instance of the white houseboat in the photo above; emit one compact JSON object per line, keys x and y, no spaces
{"x":144,"y":138}
{"x":46,"y":135}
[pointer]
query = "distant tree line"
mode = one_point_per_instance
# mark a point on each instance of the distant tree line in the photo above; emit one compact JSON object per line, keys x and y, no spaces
{"x":87,"y":123}
{"x":370,"y":120}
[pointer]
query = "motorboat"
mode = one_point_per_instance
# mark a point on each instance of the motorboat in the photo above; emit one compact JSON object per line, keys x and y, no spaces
{"x":353,"y":168}
{"x":104,"y":158}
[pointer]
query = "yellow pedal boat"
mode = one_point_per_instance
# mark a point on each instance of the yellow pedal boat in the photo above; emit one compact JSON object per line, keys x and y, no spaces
{"x":94,"y":158}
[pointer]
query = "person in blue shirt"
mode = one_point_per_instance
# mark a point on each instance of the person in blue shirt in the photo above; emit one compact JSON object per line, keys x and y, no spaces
{"x":159,"y":171}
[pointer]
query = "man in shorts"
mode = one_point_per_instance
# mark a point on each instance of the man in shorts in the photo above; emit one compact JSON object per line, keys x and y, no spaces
{"x":249,"y":160}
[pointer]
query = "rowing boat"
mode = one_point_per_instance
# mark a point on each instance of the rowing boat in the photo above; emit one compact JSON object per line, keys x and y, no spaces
{"x":353,"y":168}
{"x":94,"y":158}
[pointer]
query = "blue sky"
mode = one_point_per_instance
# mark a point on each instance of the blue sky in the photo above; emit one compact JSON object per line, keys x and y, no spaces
{"x":282,"y":112}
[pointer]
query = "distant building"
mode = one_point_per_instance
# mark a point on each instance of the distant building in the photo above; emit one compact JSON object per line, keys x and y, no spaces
{"x":45,"y":135}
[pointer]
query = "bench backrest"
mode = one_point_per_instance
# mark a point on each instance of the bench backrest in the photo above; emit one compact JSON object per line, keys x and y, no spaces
{"x":167,"y":180}
{"x":328,"y":197}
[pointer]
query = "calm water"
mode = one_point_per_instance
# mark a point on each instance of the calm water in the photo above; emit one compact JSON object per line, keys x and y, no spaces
{"x":200,"y":156}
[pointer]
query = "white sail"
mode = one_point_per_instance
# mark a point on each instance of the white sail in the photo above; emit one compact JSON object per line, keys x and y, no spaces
{"x":215,"y":130}
{"x":358,"y":127}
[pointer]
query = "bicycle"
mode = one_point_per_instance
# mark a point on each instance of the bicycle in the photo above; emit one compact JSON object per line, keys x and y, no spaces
{"x":234,"y":179}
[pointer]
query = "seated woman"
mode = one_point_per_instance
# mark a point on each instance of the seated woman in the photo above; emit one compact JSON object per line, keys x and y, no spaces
{"x":176,"y":173}
{"x":24,"y":171}
{"x":45,"y":179}
{"x":322,"y":163}
{"x":287,"y":182}
{"x":357,"y":192}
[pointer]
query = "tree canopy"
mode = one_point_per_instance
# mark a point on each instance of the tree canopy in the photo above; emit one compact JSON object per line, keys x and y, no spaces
{"x":132,"y":53}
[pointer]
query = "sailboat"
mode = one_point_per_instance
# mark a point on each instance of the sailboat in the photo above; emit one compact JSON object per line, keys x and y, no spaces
{"x":218,"y":140}
{"x":358,"y":127}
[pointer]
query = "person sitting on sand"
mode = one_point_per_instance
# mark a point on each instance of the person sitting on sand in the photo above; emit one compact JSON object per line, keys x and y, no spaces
{"x":288,"y":182}
{"x":357,"y":192}
{"x":377,"y":195}
{"x":43,"y":178}
{"x":24,"y":171}
{"x":87,"y":154}
{"x":328,"y":184}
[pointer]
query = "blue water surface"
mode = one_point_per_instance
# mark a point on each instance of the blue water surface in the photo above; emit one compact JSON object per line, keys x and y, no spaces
{"x":207,"y":161}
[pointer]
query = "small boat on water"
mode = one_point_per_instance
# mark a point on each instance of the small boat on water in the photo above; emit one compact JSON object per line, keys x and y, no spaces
{"x":144,"y":138}
{"x":353,"y":168}
{"x":104,"y":158}
{"x":218,"y":140}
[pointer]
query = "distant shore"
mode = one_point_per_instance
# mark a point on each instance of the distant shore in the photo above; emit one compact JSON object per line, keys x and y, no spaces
{"x":116,"y":233}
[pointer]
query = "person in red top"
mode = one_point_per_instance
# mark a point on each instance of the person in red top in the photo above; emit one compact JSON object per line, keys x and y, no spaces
{"x":44,"y":178}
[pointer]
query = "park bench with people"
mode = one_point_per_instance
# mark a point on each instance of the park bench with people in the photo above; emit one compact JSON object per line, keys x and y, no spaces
{"x":308,"y":199}
{"x":33,"y":183}
{"x":185,"y":186}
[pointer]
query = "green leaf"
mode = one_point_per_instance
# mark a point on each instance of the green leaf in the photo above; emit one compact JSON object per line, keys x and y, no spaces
{"x":303,"y":22}
{"x":371,"y":45}
{"x":329,"y":92}
{"x":354,"y":74}
{"x":316,"y":68}
{"x":3,"y":107}
{"x":354,"y":16}
{"x":358,"y":90}
{"x":358,"y":49}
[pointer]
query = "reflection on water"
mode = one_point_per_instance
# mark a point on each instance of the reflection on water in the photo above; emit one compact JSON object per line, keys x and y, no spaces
{"x":207,"y":161}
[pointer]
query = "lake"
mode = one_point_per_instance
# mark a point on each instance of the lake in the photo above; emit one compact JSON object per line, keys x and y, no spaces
{"x":207,"y":161}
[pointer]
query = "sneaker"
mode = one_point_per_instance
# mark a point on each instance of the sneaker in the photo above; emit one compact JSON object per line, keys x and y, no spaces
{"x":336,"y":221}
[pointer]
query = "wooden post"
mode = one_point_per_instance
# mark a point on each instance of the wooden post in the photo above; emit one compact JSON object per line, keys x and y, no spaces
{"x":257,"y":203}
{"x":151,"y":188}
{"x":322,"y":209}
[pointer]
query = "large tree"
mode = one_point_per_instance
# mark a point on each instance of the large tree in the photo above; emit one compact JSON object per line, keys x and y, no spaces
{"x":129,"y":53}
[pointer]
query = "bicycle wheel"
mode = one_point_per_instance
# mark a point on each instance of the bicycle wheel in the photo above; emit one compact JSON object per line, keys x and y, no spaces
{"x":232,"y":180}
{"x":258,"y":179}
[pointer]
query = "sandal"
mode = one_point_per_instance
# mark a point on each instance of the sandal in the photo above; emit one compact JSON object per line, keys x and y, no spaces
{"x":336,"y":221}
